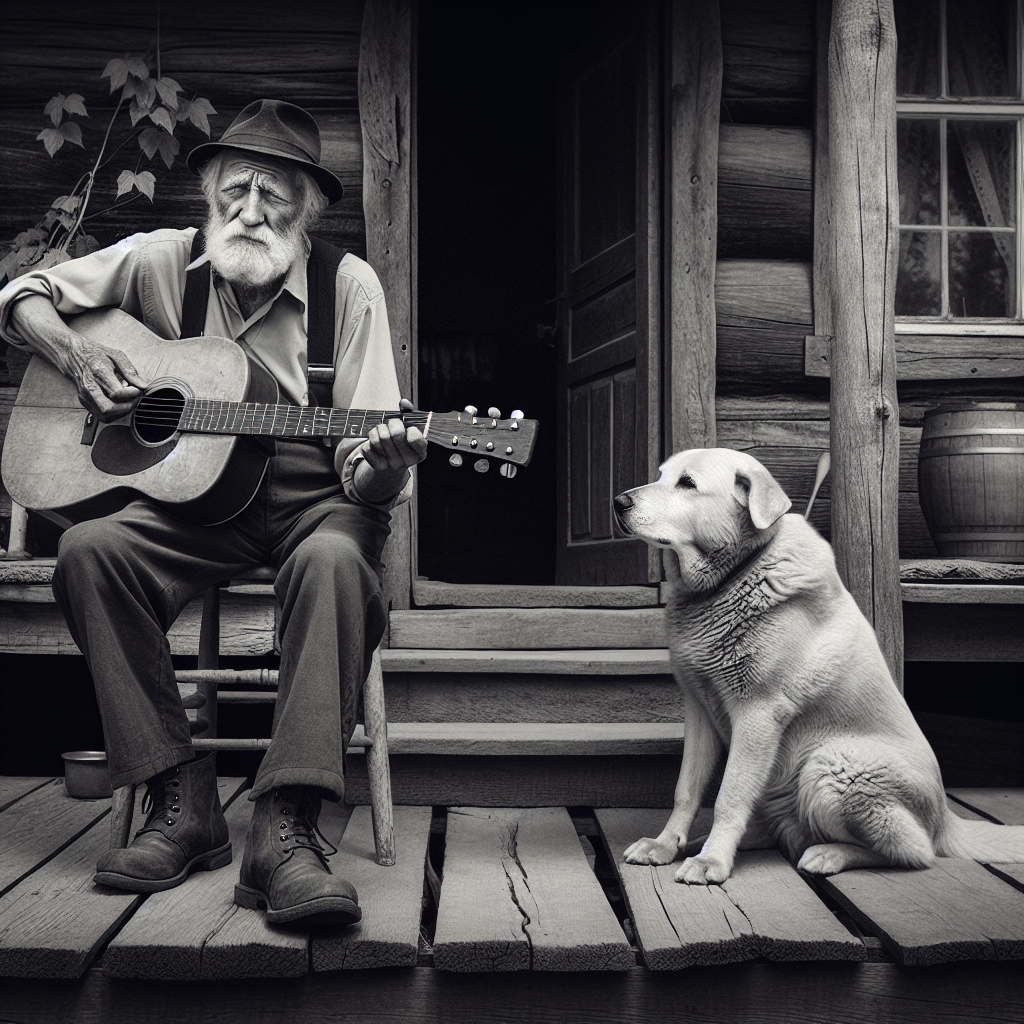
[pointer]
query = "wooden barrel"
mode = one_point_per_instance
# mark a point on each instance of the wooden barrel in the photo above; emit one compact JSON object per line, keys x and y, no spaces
{"x":970,"y":475}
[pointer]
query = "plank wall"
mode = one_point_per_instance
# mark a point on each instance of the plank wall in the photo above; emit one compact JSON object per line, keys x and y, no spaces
{"x":765,"y":403}
{"x":305,"y":52}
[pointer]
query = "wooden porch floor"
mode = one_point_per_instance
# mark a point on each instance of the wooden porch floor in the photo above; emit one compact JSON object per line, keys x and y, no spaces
{"x":503,"y":914}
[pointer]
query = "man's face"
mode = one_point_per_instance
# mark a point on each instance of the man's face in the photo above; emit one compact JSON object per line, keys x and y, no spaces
{"x":254,"y":231}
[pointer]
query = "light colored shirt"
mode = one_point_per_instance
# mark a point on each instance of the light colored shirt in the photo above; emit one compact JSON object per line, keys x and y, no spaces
{"x":144,"y":275}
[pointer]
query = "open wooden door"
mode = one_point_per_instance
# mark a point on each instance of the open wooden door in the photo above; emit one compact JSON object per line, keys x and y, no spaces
{"x":609,"y":275}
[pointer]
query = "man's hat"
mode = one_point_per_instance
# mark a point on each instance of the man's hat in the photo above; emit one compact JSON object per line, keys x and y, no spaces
{"x":274,"y":128}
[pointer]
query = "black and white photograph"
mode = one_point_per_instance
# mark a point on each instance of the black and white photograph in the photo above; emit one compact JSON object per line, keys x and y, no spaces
{"x":512,"y":512}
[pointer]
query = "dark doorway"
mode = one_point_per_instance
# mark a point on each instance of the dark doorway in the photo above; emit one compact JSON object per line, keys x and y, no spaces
{"x":487,"y":90}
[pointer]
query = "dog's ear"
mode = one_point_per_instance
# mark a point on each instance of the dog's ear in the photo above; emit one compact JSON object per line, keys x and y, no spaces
{"x":766,"y":501}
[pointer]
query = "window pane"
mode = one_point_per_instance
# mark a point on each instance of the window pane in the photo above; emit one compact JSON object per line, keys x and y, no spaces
{"x":917,"y":52}
{"x":981,"y":274}
{"x":982,"y":173}
{"x":917,"y":284}
{"x":917,"y":149}
{"x":982,"y":47}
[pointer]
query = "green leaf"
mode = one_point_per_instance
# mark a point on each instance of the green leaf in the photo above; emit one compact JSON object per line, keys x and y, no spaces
{"x":72,"y":132}
{"x":75,"y":104}
{"x":142,"y":88}
{"x":83,"y":245}
{"x":48,"y":219}
{"x":55,"y":108}
{"x":162,"y":117}
{"x":145,"y":182}
{"x":117,"y":71}
{"x":29,"y":236}
{"x":136,"y":112}
{"x":137,"y":65}
{"x":52,"y":139}
{"x":66,"y":220}
{"x":67,"y":203}
{"x":198,"y":113}
{"x":168,"y":89}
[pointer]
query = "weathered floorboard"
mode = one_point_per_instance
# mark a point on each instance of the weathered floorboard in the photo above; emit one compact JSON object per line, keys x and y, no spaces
{"x":764,"y":909}
{"x":955,"y":910}
{"x":519,"y":894}
{"x":13,"y":788}
{"x":39,"y":824}
{"x":390,"y":897}
{"x":1003,"y":805}
{"x":167,"y":938}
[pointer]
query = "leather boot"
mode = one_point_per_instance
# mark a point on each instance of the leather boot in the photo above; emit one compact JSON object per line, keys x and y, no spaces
{"x":185,"y":831}
{"x":284,"y":869}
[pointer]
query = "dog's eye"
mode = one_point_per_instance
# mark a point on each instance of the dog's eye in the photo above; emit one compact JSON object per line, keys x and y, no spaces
{"x":686,"y":481}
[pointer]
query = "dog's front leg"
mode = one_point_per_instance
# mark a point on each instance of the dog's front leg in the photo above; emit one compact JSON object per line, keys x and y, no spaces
{"x":701,"y":749}
{"x":752,"y":749}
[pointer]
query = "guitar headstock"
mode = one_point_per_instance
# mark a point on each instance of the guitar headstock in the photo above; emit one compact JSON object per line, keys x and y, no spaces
{"x":471,"y":436}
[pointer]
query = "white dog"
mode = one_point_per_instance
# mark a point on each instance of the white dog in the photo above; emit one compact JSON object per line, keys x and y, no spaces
{"x":778,"y":665}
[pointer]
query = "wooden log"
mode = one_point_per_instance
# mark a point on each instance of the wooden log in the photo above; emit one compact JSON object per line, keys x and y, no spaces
{"x":518,"y":894}
{"x":865,"y":217}
{"x":390,"y":897}
{"x":763,"y":909}
{"x":955,"y":910}
{"x":542,"y":628}
{"x":385,"y":114}
{"x":764,"y":192}
{"x":1005,"y":806}
{"x":695,"y":89}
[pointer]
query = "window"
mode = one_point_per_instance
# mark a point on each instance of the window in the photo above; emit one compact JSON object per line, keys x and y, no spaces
{"x":960,"y":115}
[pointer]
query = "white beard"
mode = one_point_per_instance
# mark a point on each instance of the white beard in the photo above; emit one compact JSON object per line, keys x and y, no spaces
{"x":251,"y":258}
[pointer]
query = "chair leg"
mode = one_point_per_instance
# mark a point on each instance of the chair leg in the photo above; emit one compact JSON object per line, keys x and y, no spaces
{"x":377,"y":765}
{"x":209,"y":658}
{"x":122,"y":806}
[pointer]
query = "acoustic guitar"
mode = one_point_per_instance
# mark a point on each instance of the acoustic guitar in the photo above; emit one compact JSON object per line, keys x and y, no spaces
{"x":192,"y":442}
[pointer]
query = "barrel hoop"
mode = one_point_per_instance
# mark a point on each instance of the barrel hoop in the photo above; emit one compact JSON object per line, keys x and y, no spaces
{"x":932,"y":454}
{"x":973,"y":431}
{"x":994,"y":535}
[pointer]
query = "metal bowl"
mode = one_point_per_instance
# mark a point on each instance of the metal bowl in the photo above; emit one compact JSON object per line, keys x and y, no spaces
{"x":86,"y":776}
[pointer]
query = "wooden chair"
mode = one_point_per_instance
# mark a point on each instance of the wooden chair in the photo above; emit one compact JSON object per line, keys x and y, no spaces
{"x":200,"y":695}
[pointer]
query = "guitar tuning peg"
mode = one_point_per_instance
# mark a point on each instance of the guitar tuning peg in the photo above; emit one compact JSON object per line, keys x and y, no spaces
{"x":508,"y":471}
{"x":471,"y":409}
{"x":494,"y":412}
{"x":517,"y":414}
{"x":455,"y":459}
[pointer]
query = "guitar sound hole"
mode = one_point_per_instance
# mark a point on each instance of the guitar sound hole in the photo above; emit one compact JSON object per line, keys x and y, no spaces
{"x":156,"y":416}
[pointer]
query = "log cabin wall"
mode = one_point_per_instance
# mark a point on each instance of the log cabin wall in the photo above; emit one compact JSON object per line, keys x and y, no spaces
{"x":766,"y":402}
{"x":305,"y":52}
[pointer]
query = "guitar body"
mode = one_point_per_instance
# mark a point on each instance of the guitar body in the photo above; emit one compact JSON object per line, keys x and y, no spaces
{"x":53,"y":460}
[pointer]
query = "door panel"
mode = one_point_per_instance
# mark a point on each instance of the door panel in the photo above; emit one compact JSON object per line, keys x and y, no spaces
{"x":609,"y":321}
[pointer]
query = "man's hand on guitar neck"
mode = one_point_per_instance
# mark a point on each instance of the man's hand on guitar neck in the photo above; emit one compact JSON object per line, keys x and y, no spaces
{"x":392,"y":449}
{"x":105,"y":379}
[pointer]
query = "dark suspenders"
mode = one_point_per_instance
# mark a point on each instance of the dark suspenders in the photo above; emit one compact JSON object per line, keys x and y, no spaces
{"x":321,"y":271}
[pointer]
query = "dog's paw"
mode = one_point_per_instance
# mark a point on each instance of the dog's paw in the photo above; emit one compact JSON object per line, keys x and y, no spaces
{"x":703,"y":870}
{"x":650,"y":851}
{"x":831,"y":858}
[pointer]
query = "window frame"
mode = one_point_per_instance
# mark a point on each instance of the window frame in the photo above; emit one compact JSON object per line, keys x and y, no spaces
{"x":945,"y":108}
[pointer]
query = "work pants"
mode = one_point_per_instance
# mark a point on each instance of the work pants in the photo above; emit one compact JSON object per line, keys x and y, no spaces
{"x":122,"y":581}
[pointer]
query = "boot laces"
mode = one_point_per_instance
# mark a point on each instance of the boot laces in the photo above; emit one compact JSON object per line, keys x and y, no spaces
{"x":162,"y":798}
{"x":297,"y":828}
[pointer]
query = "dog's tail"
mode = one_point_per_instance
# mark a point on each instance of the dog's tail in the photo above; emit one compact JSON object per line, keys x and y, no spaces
{"x":980,"y":840}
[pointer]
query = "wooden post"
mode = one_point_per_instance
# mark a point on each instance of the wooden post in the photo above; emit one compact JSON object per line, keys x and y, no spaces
{"x":386,"y":118}
{"x":695,"y":94}
{"x":864,"y":436}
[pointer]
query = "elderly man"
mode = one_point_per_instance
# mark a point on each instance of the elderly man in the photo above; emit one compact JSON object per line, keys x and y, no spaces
{"x":321,"y":516}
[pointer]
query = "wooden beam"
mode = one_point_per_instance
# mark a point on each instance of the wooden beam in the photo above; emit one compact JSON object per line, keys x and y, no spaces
{"x":865,"y":414}
{"x":386,"y":118}
{"x":695,"y":92}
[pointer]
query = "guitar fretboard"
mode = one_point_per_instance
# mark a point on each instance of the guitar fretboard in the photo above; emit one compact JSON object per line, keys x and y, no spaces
{"x":207,"y":416}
